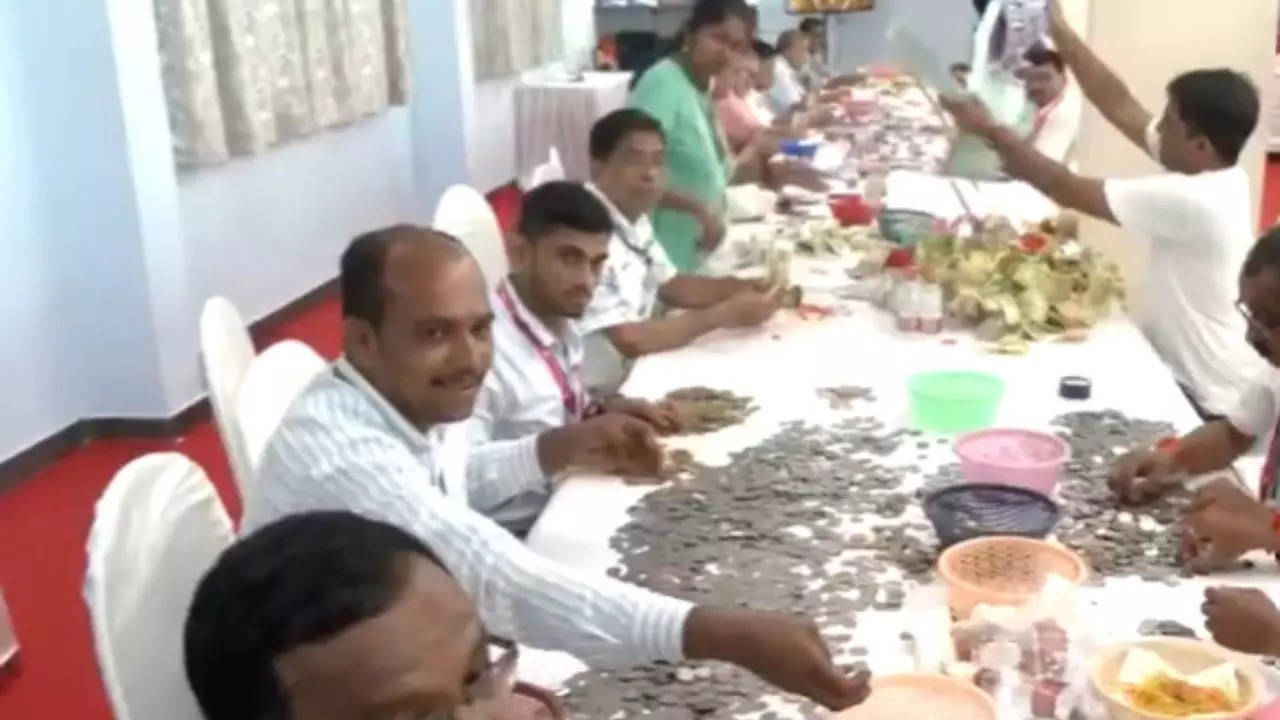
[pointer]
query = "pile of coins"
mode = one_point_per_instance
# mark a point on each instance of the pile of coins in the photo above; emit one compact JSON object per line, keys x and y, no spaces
{"x":704,"y":410}
{"x":1114,"y":540}
{"x":768,"y":531}
{"x":819,"y":521}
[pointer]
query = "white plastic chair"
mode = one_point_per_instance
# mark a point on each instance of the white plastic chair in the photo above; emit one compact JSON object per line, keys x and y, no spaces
{"x":156,"y":529}
{"x":465,"y":214}
{"x":552,"y":169}
{"x":275,"y":379}
{"x":226,"y":351}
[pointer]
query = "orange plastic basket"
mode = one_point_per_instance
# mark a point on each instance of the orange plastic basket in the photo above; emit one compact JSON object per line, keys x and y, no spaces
{"x":922,"y":697}
{"x":1003,"y":570}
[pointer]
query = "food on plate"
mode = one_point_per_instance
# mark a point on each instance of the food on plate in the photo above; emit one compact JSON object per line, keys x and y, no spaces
{"x":1149,"y":684}
{"x":1164,"y":695}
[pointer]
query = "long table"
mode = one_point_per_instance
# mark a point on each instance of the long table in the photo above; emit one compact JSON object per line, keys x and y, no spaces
{"x":783,"y":364}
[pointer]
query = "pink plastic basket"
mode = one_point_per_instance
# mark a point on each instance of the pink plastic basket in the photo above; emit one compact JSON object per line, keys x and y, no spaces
{"x":1022,"y":458}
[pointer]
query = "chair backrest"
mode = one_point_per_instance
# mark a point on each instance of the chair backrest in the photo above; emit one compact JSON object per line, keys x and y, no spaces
{"x":464,"y":213}
{"x":156,"y":529}
{"x":552,"y":169}
{"x":225,"y":352}
{"x":275,"y":379}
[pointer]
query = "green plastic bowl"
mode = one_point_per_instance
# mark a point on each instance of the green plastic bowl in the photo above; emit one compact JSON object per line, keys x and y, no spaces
{"x":954,"y":402}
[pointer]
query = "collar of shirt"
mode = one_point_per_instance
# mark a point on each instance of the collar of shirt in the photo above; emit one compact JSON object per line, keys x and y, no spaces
{"x":418,"y":440}
{"x":545,"y":337}
{"x":638,"y":236}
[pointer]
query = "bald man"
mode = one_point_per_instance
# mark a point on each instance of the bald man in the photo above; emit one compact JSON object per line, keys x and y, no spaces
{"x":379,"y":435}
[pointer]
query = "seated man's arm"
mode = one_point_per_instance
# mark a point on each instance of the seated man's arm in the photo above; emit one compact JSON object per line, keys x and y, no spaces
{"x":676,"y":330}
{"x":519,"y":594}
{"x":696,"y":291}
{"x":1211,"y":447}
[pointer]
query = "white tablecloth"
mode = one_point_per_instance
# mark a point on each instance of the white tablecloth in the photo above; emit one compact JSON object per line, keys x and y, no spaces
{"x":559,"y":113}
{"x":781,"y":366}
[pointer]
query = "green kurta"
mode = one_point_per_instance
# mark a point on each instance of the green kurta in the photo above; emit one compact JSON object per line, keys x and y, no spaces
{"x":697,"y":164}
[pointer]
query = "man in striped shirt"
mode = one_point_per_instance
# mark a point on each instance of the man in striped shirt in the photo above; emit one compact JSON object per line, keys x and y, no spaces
{"x":379,"y":434}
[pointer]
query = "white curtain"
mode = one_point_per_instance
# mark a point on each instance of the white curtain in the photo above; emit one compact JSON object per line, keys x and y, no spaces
{"x":508,"y":36}
{"x":243,"y":75}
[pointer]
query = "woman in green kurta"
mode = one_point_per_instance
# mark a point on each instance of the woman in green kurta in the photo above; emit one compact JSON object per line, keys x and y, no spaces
{"x":676,"y":92}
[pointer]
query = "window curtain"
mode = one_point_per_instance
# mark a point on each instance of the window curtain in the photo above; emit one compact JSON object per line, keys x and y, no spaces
{"x":508,"y":36}
{"x":243,"y":75}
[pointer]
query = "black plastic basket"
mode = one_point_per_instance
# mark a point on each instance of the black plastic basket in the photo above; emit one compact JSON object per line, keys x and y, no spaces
{"x":963,"y":512}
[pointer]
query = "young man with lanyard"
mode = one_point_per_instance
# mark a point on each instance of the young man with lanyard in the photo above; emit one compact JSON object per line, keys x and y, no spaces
{"x":620,"y":324}
{"x":536,"y":383}
{"x":1058,"y":104}
{"x":376,"y":435}
{"x":1223,"y":522}
{"x":1196,"y":215}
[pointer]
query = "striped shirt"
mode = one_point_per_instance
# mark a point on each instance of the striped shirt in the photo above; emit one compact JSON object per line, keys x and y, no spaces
{"x":341,"y":446}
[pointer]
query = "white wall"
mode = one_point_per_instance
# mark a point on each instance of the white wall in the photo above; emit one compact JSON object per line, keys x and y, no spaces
{"x":80,"y":244}
{"x":35,"y":398}
{"x":107,"y":255}
{"x":265,"y":230}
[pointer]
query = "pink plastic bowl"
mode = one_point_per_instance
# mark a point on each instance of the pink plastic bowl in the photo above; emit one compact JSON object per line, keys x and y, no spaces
{"x":1023,"y":458}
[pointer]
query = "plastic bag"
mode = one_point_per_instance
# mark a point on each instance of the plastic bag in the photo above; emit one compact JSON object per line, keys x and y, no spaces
{"x":1007,"y":30}
{"x":1033,"y":659}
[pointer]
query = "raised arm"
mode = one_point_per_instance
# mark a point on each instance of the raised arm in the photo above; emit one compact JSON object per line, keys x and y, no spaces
{"x":1099,"y":83}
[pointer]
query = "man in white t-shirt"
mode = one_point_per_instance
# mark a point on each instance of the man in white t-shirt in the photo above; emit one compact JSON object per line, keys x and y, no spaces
{"x":1058,"y":104}
{"x":628,"y":173}
{"x":1196,"y":216}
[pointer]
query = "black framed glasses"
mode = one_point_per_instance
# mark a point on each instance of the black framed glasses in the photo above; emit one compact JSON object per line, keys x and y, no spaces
{"x":490,"y":688}
{"x":1254,"y":323}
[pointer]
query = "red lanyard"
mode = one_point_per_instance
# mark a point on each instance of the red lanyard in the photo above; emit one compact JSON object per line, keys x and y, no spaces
{"x":567,"y":394}
{"x":1042,"y":115}
{"x":1267,"y":487}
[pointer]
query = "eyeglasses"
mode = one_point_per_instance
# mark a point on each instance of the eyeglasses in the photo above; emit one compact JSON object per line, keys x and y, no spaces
{"x":492,"y":686}
{"x":1254,"y":323}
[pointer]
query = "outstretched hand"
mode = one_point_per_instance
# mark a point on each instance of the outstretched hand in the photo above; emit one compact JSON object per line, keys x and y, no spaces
{"x":782,"y":649}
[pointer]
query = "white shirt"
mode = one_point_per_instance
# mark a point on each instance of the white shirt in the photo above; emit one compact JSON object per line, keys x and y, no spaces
{"x":636,"y":270}
{"x":520,"y":396}
{"x":341,"y":446}
{"x":759,"y":105}
{"x":1055,"y":133}
{"x":787,"y":92}
{"x":1255,"y":414}
{"x":1258,"y":407}
{"x":1201,"y":228}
